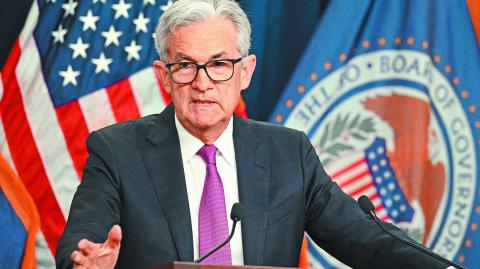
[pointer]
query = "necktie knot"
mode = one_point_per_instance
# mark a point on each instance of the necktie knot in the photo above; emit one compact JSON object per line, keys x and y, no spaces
{"x":208,"y":153}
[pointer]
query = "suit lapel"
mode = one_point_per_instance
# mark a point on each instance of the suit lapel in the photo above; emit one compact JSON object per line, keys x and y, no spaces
{"x":164,"y":165}
{"x":253,"y":185}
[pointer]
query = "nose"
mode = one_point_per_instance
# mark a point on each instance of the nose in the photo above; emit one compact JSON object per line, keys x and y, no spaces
{"x":202,"y":82}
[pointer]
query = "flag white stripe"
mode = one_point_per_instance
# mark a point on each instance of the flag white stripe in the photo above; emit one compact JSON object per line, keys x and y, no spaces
{"x":97,"y":110}
{"x":381,"y":213}
{"x":43,"y":255}
{"x":355,"y":197}
{"x":314,"y":263}
{"x":45,"y":259}
{"x":4,"y":147}
{"x":146,"y":92}
{"x":369,"y":192}
{"x":334,"y":167}
{"x":357,"y":184}
{"x":376,"y":202}
{"x":45,"y":128}
{"x":351,"y":173}
{"x":30,"y":24}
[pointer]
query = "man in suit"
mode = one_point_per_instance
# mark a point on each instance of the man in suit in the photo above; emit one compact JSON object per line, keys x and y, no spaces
{"x":150,"y":195}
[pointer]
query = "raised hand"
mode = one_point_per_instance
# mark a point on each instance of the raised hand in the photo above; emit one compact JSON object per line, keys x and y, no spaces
{"x":98,"y":256}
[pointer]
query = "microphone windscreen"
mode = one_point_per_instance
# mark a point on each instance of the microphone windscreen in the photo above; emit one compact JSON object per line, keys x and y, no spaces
{"x":365,"y":204}
{"x":237,"y":211}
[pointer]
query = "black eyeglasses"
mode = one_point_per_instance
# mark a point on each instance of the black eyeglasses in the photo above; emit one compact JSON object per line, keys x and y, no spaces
{"x":217,"y":70}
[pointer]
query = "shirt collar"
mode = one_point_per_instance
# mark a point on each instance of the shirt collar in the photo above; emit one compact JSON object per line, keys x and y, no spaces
{"x":224,"y":144}
{"x":190,"y":145}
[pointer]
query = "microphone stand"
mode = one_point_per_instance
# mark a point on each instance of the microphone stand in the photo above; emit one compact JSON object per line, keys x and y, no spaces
{"x":236,"y":215}
{"x":367,"y":207}
{"x":219,"y":245}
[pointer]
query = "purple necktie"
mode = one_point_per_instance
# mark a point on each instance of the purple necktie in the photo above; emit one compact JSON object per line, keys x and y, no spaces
{"x":212,"y":218}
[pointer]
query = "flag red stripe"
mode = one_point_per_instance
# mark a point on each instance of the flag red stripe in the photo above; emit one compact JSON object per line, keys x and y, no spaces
{"x":75,"y":130}
{"x":379,"y":207}
{"x":25,"y":154}
{"x":373,"y":196}
{"x":362,"y":189}
{"x":122,"y":100}
{"x":347,"y":168}
{"x":354,"y":178}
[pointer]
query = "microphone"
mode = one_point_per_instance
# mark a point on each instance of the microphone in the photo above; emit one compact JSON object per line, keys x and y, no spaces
{"x":236,"y":215}
{"x":367,"y":206}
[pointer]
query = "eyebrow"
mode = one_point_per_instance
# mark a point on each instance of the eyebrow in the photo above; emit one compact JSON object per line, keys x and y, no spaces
{"x":189,"y":58}
{"x":218,"y":55}
{"x":183,"y":57}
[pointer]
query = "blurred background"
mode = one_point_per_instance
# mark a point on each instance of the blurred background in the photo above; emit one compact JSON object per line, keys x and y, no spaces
{"x":387,"y":91}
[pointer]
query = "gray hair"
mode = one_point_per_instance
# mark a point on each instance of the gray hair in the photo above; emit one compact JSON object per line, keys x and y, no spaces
{"x":186,"y":12}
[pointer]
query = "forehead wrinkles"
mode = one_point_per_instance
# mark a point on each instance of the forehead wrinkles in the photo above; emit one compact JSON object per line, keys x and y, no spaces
{"x":203,"y":39}
{"x":181,"y":56}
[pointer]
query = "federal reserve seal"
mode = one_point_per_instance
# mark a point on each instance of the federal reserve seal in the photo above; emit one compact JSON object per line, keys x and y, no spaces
{"x":390,"y":124}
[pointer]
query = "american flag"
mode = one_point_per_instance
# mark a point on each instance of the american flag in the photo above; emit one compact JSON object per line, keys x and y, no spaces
{"x":76,"y":66}
{"x":369,"y":173}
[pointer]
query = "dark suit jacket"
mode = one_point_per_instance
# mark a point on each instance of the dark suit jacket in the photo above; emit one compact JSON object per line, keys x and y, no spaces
{"x":134,"y":177}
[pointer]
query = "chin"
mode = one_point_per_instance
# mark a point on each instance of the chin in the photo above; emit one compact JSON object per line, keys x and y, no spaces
{"x":207,"y":121}
{"x":204,"y":123}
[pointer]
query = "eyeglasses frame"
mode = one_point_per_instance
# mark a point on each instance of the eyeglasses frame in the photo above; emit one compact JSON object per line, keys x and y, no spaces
{"x":204,"y":67}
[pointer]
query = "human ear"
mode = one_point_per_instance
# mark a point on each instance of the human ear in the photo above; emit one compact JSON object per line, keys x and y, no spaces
{"x":162,"y":73}
{"x":248,"y":66}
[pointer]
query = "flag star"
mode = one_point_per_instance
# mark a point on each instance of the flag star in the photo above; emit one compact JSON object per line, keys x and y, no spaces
{"x":146,"y":2}
{"x":102,"y":63}
{"x":394,"y":213}
{"x":79,"y":48}
{"x":111,"y":37}
{"x":121,"y":9}
{"x":69,"y":76}
{"x":141,"y":23}
{"x":102,"y":1}
{"x":69,"y":8}
{"x":133,"y":50}
{"x":166,"y":6}
{"x":89,"y":21}
{"x":59,"y":34}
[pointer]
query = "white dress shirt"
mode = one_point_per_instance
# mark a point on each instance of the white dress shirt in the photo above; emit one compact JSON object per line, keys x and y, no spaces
{"x":195,"y":170}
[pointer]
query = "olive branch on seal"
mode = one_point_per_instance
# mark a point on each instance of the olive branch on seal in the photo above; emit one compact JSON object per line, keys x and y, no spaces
{"x":339,"y":136}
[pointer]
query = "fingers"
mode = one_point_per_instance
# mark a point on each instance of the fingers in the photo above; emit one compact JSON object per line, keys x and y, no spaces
{"x":86,"y":247}
{"x":77,"y":258}
{"x":114,"y":237}
{"x":89,"y":252}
